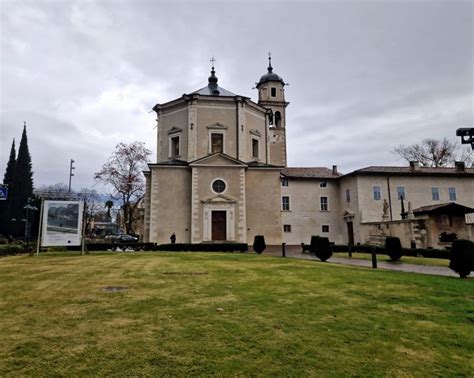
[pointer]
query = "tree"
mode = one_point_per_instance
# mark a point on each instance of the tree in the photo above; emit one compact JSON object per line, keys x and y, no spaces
{"x":92,"y":206}
{"x":109,"y":204}
{"x":123,"y":172}
{"x":433,"y":153}
{"x":22,"y":183}
{"x":5,"y":206}
{"x":10,"y":171}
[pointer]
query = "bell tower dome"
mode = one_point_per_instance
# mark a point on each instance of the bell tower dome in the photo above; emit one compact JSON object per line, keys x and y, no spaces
{"x":271,"y":95}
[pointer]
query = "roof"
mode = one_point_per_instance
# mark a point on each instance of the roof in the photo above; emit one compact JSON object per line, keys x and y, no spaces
{"x":310,"y":173}
{"x":444,"y":208}
{"x":170,"y":162}
{"x":420,"y":171}
{"x":214,"y":90}
{"x":270,"y":75}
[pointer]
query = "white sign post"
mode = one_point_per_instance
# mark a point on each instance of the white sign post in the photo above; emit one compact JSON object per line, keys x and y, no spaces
{"x":62,"y":223}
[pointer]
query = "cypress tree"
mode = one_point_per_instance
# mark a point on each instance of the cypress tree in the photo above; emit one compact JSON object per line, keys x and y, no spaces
{"x":8,"y":181}
{"x":10,"y":171}
{"x":22,"y":185}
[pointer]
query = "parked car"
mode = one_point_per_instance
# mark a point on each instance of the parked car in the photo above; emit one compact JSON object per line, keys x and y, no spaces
{"x":127,"y":238}
{"x":122,"y":238}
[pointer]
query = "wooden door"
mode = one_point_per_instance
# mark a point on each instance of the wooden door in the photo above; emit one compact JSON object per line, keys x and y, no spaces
{"x":350,"y":233}
{"x":219,"y":225}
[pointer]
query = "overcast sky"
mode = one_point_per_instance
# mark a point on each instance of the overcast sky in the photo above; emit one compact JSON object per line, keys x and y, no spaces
{"x":365,"y":76}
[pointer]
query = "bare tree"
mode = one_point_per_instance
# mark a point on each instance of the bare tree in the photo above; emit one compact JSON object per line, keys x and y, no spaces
{"x":124,"y":172}
{"x":92,"y":204}
{"x":430,"y":153}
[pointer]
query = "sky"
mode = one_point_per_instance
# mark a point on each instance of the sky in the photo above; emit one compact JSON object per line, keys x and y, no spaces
{"x":364,"y":76}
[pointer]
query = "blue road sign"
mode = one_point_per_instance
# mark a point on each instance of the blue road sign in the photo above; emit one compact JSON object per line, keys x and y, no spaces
{"x":3,"y":193}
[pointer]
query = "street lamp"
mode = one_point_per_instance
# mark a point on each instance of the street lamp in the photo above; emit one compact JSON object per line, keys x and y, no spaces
{"x":28,"y":207}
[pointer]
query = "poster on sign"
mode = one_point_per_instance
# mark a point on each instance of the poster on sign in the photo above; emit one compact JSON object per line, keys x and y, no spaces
{"x":62,"y":223}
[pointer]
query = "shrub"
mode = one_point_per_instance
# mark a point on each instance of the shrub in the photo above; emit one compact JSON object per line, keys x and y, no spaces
{"x":445,"y":237}
{"x":204,"y":247}
{"x":259,"y":244}
{"x":321,"y":247}
{"x":462,"y":257}
{"x":393,"y":246}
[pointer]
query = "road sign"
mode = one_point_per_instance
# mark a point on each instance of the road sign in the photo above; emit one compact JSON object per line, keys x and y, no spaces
{"x":3,"y":193}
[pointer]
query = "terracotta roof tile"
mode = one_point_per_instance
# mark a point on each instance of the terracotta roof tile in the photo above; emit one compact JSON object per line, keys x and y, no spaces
{"x":310,"y":172}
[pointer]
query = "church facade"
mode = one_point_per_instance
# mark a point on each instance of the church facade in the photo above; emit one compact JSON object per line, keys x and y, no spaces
{"x":217,"y":175}
{"x":221,"y":175}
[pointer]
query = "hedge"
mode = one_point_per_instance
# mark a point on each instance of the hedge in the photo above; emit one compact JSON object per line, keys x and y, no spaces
{"x":204,"y":247}
{"x":380,"y":250}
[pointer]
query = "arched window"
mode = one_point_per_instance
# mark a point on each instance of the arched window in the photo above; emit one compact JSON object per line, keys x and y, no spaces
{"x":270,"y":118}
{"x":277,"y":119}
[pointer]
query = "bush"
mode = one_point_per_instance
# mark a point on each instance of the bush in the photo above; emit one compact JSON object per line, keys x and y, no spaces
{"x":445,"y":237}
{"x":11,"y":249}
{"x":259,"y":244}
{"x":321,"y":247}
{"x":204,"y":247}
{"x":393,"y":246}
{"x":462,"y":257}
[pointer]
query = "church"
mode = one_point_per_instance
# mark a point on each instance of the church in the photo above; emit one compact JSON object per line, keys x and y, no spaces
{"x":221,"y":175}
{"x":217,"y":175}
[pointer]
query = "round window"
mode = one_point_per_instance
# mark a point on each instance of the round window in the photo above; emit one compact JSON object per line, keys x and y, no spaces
{"x":218,"y":186}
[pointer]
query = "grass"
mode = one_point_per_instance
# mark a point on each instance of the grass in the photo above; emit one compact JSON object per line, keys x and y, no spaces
{"x":404,"y":259}
{"x":228,"y":314}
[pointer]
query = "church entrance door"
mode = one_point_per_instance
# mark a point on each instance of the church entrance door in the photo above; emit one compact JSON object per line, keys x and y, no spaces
{"x":219,"y":225}
{"x":350,"y":233}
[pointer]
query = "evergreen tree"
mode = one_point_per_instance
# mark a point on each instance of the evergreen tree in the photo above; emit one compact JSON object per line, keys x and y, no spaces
{"x":10,"y":171}
{"x":7,"y":180}
{"x":22,"y":185}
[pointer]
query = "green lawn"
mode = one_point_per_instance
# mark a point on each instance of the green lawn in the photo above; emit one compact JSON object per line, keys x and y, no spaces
{"x":404,"y":259}
{"x":228,"y":314}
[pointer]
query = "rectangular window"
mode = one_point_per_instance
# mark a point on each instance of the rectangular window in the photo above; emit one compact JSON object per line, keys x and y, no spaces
{"x":255,"y":148}
{"x":452,"y":194}
{"x":175,"y":146}
{"x":435,"y":194}
{"x":287,"y":228}
{"x":324,"y":203}
{"x":400,"y":192}
{"x":284,"y":181}
{"x":273,"y":92}
{"x":325,"y":228}
{"x":285,"y":203}
{"x":376,"y":193}
{"x":323,"y":184}
{"x":217,"y":143}
{"x":348,"y":195}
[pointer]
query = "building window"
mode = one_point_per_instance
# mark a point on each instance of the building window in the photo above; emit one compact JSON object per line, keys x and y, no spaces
{"x":324,"y":203}
{"x":218,"y":186}
{"x":325,"y":228}
{"x":348,"y":195}
{"x":435,"y":194}
{"x":217,"y":143}
{"x":174,"y":146}
{"x":287,"y":228}
{"x":452,"y":194}
{"x":284,"y":181}
{"x":277,"y":119}
{"x":285,"y":203}
{"x":255,"y":148}
{"x":273,"y":92}
{"x":323,"y":184}
{"x":400,"y":192}
{"x":376,"y":193}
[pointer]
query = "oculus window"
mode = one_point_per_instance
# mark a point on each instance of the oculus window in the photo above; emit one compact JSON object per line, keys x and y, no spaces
{"x":218,"y":186}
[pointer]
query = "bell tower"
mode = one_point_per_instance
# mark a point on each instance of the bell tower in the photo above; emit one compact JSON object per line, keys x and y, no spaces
{"x":271,"y":95}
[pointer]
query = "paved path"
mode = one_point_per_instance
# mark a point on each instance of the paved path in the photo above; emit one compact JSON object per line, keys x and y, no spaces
{"x":295,"y":252}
